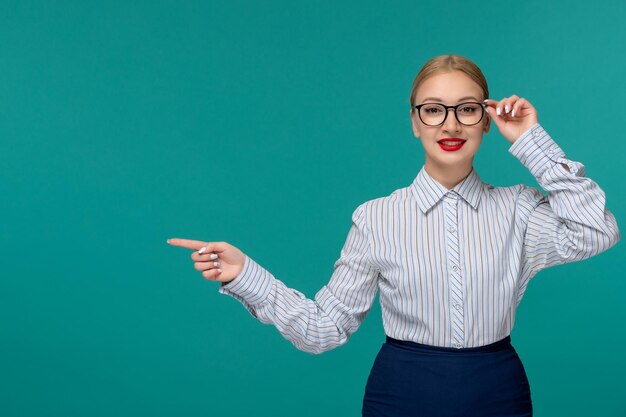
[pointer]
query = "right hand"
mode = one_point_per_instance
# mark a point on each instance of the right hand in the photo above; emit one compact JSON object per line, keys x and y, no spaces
{"x":230,"y":258}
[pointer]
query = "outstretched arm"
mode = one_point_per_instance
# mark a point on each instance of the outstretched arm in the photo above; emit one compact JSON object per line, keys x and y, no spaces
{"x":313,"y":326}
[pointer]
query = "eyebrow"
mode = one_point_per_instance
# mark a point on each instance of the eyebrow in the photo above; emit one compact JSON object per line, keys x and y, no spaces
{"x":440,"y":100}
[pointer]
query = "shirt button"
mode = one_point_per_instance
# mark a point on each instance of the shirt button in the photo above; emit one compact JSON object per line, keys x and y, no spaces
{"x":455,"y":268}
{"x":458,"y":345}
{"x":457,"y":306}
{"x":452,"y":230}
{"x":535,"y":134}
{"x":551,"y":151}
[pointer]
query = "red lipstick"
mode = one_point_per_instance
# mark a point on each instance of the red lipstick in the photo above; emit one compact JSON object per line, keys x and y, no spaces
{"x":451,"y":144}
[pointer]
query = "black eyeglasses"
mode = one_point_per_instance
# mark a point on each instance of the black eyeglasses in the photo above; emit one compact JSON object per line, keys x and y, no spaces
{"x":435,"y":114}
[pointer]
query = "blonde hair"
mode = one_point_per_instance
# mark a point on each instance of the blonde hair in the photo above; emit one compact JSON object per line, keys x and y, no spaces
{"x":449,"y":63}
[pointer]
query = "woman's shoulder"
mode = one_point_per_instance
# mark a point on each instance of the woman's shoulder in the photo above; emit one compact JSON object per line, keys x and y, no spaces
{"x":399,"y":196}
{"x":397,"y":201}
{"x":516,"y":194}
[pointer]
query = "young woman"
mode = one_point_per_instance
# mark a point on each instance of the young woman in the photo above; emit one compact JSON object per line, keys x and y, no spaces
{"x":450,"y":254}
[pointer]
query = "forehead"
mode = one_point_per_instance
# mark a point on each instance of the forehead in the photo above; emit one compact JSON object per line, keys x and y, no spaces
{"x":448,"y":87}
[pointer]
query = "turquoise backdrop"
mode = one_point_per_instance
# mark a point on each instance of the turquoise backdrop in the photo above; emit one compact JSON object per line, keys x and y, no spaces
{"x":265,"y":124}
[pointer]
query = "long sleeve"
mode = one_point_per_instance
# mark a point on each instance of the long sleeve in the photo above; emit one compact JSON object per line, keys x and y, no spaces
{"x":572,"y":222}
{"x":339,"y":308}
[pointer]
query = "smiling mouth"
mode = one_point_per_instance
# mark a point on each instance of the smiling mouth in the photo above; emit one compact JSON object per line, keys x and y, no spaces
{"x":451,"y":144}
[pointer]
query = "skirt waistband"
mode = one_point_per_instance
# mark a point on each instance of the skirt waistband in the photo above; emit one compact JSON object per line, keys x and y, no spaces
{"x":500,"y":345}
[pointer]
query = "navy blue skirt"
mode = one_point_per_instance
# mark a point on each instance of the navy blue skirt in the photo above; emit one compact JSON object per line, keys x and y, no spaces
{"x":412,"y":379}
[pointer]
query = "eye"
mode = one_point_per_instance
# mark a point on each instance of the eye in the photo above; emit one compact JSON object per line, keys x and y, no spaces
{"x":468,"y":109}
{"x":432,"y":109}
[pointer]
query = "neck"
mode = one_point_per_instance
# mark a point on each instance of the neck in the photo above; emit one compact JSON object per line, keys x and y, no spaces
{"x":448,"y":176}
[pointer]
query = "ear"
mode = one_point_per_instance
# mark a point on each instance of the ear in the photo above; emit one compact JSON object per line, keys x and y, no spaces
{"x":488,"y":123}
{"x":414,"y":123}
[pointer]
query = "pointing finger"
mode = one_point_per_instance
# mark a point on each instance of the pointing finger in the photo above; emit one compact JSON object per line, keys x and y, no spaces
{"x":201,"y":247}
{"x":187,"y":243}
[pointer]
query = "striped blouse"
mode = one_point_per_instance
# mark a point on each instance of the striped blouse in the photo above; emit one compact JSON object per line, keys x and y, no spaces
{"x":451,"y":265}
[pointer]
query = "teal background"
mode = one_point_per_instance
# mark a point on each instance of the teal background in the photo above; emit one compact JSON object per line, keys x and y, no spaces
{"x":264,"y":124}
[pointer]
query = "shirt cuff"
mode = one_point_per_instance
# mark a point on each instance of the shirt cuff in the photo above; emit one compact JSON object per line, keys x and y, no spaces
{"x":253,"y":284}
{"x":538,"y":151}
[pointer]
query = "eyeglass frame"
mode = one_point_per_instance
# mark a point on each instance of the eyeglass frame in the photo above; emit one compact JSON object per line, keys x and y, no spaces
{"x":483,"y":106}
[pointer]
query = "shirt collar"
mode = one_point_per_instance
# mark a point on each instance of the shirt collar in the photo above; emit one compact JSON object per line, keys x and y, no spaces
{"x":428,"y":192}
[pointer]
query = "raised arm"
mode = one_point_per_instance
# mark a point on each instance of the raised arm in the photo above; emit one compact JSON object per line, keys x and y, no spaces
{"x":339,"y":307}
{"x":572,"y":222}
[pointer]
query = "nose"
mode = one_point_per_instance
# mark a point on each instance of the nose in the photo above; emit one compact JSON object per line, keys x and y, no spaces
{"x":451,"y":124}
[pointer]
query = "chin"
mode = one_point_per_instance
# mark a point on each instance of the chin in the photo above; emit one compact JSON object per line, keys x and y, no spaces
{"x":452,"y":158}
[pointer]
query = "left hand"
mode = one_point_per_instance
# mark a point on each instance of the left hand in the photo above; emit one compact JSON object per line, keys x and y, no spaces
{"x":521,"y":115}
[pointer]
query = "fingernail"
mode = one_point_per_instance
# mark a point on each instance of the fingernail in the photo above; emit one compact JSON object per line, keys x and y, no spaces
{"x":213,"y":256}
{"x":168,"y":241}
{"x":498,"y":111}
{"x":219,"y":270}
{"x":506,"y":108}
{"x":513,"y":114}
{"x":202,"y":250}
{"x":216,"y":264}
